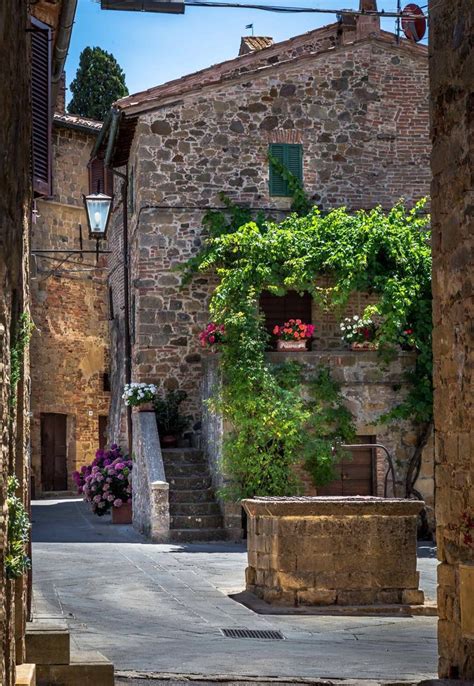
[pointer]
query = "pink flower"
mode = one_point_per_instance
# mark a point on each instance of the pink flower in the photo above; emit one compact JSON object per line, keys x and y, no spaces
{"x":118,"y":503}
{"x":97,"y":498}
{"x":212,"y":339}
{"x":110,"y":498}
{"x":121,"y":477}
{"x":106,"y":487}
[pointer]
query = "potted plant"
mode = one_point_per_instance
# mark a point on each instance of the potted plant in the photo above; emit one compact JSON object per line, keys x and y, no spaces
{"x":293,"y":335}
{"x":140,"y":396}
{"x":359,"y":332}
{"x":212,"y":336}
{"x":171,"y":423}
{"x":107,"y":484}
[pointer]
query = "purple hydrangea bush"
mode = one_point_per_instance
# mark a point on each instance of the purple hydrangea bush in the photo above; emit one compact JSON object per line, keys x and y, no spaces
{"x":107,"y":482}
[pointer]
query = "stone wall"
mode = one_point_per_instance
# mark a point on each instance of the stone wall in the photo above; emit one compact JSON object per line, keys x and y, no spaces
{"x":361,"y":113}
{"x":15,"y":207}
{"x":151,"y":513}
{"x":69,"y":308}
{"x":333,"y":551}
{"x":369,"y":389}
{"x":452,"y":122}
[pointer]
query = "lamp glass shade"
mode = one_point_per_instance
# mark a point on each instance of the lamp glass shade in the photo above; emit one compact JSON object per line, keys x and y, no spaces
{"x":98,"y":212}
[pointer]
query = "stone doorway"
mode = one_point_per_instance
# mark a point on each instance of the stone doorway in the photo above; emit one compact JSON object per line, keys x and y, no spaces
{"x":53,"y":452}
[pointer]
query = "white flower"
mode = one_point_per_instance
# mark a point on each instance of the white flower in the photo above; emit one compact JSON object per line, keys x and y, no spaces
{"x":356,"y":317}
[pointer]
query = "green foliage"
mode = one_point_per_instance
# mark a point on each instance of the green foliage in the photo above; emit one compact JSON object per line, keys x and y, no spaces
{"x":17,"y":353}
{"x":99,"y":82}
{"x":17,"y":561}
{"x":168,"y":417}
{"x":330,"y":424}
{"x":386,"y":253}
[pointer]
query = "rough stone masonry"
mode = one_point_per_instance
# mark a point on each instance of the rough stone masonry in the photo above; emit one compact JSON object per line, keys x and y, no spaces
{"x":355,"y":100}
{"x":452,"y":164}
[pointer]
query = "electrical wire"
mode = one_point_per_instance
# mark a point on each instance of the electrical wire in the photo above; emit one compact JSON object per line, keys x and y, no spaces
{"x":300,"y":10}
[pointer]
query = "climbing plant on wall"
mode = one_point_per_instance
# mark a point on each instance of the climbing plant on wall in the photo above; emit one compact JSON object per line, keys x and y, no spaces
{"x":384,"y":253}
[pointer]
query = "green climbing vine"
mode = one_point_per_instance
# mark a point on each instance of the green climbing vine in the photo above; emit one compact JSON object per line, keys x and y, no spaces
{"x":17,"y":561}
{"x":17,"y":353}
{"x":383,"y":253}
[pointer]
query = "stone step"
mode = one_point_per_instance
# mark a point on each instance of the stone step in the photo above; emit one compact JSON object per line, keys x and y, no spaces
{"x":85,"y":669}
{"x":25,"y":675}
{"x":198,"y":495}
{"x":186,"y":469}
{"x":195,"y":509}
{"x":189,"y":483}
{"x":189,"y":535}
{"x":47,"y":643}
{"x":193,"y":522}
{"x":175,"y":455}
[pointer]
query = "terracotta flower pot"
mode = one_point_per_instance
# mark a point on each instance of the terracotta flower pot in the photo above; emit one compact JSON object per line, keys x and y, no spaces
{"x":144,"y":407}
{"x":366,"y":345}
{"x":292,"y":346}
{"x":169,"y":441}
{"x":123,"y":514}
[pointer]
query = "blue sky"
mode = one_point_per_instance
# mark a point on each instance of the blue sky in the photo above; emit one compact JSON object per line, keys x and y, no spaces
{"x":154,"y":48}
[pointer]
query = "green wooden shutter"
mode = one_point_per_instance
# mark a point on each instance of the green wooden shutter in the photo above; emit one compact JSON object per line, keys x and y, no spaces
{"x":291,"y":156}
{"x":294,"y":159}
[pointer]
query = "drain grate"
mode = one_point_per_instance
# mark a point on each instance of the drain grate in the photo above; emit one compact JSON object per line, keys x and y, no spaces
{"x":269,"y":635}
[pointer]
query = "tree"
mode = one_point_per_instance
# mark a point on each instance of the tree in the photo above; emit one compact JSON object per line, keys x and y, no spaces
{"x":99,"y":82}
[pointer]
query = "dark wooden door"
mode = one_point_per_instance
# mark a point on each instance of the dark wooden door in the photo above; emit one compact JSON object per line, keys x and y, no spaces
{"x":53,"y":452}
{"x":355,"y":474}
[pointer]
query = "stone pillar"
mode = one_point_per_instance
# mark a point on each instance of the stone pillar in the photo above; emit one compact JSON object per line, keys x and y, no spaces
{"x":452,"y":163}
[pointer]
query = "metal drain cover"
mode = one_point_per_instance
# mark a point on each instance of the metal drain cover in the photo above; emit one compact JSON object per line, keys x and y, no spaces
{"x":269,"y":635}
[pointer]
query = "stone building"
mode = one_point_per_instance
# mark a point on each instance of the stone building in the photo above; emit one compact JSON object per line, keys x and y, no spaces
{"x":350,"y":103}
{"x":452,"y":127}
{"x":31,"y":63}
{"x":70,"y":377}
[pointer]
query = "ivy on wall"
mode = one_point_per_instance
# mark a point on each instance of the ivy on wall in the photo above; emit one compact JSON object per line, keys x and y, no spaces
{"x":17,"y":561}
{"x":385,"y":253}
{"x":17,"y":353}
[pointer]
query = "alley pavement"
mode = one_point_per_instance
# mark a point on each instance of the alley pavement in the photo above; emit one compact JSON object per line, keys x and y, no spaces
{"x":158,"y":609}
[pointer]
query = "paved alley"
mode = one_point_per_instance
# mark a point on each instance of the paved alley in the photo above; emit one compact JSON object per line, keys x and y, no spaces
{"x":161,"y":608}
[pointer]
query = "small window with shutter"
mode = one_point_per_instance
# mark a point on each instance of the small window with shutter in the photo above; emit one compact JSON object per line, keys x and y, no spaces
{"x":290,"y":155}
{"x":101,"y":178}
{"x":41,"y":106}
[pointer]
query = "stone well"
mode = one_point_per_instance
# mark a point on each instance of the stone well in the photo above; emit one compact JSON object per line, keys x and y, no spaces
{"x":333,"y":551}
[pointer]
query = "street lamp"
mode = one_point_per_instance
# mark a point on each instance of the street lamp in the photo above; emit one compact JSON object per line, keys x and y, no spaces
{"x":98,"y":207}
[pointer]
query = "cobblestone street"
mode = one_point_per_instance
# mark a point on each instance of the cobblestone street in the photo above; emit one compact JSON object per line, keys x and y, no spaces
{"x":157,"y":609}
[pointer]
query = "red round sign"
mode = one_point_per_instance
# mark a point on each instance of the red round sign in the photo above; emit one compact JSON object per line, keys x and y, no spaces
{"x":414,"y":28}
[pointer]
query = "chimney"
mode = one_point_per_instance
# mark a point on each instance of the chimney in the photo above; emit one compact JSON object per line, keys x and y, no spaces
{"x":367,"y":25}
{"x":60,"y":104}
{"x":254,"y":44}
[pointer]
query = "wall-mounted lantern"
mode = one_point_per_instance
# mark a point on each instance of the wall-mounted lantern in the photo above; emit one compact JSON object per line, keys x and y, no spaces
{"x":98,"y":206}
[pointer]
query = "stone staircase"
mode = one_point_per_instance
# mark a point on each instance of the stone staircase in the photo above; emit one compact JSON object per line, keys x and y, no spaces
{"x":194,"y":512}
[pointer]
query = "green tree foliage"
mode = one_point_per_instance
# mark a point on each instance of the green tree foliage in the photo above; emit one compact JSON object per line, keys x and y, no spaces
{"x":386,"y":253}
{"x":99,"y":82}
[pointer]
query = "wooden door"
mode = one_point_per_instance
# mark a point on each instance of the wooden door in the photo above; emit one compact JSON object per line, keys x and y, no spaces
{"x":355,"y":474}
{"x":53,"y":452}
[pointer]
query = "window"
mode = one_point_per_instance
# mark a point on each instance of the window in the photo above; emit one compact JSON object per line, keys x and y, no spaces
{"x":278,"y":309}
{"x":41,"y":107}
{"x":111,"y":303}
{"x":100,"y":178}
{"x":106,"y":382}
{"x":291,"y":155}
